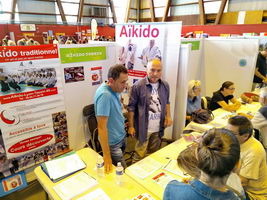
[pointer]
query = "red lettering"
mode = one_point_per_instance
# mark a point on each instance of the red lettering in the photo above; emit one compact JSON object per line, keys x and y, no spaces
{"x":155,"y":34}
{"x":146,"y":31}
{"x":123,"y":31}
{"x":138,"y":31}
{"x":134,"y":31}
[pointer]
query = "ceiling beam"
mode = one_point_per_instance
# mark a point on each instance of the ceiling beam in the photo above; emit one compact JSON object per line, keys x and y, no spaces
{"x":128,"y":9}
{"x":61,"y":11}
{"x":80,"y":11}
{"x":166,"y":11}
{"x":14,"y":3}
{"x":138,"y":10}
{"x":112,"y":8}
{"x":152,"y":12}
{"x":202,"y":16}
{"x":219,"y":14}
{"x":70,"y":2}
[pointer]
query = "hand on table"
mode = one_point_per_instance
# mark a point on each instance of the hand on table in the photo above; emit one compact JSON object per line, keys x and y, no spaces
{"x":107,"y":164}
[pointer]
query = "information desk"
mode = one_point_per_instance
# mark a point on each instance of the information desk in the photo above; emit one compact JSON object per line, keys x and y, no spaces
{"x":221,"y":117}
{"x":126,"y":191}
{"x":170,"y":153}
{"x":163,"y":156}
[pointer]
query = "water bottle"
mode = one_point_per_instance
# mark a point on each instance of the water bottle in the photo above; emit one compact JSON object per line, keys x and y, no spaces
{"x":100,"y":167}
{"x":119,"y":173}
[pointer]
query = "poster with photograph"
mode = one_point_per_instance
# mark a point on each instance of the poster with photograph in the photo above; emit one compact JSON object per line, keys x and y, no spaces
{"x":96,"y":75}
{"x":133,"y":54}
{"x":141,"y":42}
{"x":74,"y":74}
{"x":32,"y":111}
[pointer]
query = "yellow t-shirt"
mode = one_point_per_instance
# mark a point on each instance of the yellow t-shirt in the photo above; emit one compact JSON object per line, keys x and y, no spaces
{"x":254,"y":168}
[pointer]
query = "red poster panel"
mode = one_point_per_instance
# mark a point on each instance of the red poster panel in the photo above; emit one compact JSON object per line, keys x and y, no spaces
{"x":23,"y":53}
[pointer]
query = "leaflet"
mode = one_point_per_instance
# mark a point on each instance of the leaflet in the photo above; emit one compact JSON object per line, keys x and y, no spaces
{"x":74,"y":185}
{"x":145,"y":167}
{"x":97,"y":194}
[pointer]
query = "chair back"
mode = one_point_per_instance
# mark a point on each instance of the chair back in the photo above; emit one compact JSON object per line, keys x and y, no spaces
{"x":91,"y":127}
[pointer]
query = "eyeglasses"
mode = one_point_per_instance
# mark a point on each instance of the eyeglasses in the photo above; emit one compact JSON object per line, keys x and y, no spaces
{"x":231,"y":88}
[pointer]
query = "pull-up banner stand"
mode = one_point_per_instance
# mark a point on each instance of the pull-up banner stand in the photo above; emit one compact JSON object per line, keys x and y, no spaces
{"x":141,"y":42}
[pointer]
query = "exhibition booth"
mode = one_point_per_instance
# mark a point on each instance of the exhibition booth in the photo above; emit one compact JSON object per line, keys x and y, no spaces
{"x":42,"y":115}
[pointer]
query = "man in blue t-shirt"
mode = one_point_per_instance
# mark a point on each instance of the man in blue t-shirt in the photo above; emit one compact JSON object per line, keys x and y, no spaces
{"x":108,"y":109}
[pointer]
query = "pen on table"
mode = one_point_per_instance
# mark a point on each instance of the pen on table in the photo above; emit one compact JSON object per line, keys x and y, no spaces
{"x":167,"y":163}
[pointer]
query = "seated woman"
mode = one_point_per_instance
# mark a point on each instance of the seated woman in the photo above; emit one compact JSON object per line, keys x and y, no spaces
{"x":217,"y":153}
{"x":188,"y":162}
{"x":193,"y":98}
{"x":220,"y":98}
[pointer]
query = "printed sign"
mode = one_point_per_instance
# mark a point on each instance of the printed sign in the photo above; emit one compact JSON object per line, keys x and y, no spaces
{"x":133,"y":54}
{"x":12,"y":184}
{"x":195,"y":44}
{"x":32,"y":111}
{"x":23,"y":53}
{"x":96,"y":75}
{"x":82,"y":54}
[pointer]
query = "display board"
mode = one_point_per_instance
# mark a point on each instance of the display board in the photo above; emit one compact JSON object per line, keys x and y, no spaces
{"x":85,"y":67}
{"x":32,"y":111}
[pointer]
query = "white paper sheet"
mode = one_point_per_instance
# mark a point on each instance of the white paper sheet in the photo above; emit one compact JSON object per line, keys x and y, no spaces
{"x":163,"y":179}
{"x":74,"y":185}
{"x":97,"y":194}
{"x":63,"y":166}
{"x":145,"y":167}
{"x":173,"y":168}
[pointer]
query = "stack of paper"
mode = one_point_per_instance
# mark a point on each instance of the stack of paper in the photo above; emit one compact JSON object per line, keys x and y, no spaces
{"x":74,"y":185}
{"x":60,"y":168}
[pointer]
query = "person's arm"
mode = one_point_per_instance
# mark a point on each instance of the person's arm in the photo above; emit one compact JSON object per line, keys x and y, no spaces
{"x":236,"y":102}
{"x":131,"y":108}
{"x":103,"y":134}
{"x":244,"y":181}
{"x":228,"y":107}
{"x":259,"y":75}
{"x":131,"y":129}
{"x":259,"y":121}
{"x":188,"y":117}
{"x":168,"y":119}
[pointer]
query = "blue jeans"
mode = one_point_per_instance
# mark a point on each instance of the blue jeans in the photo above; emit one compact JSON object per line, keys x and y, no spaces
{"x":117,"y":151}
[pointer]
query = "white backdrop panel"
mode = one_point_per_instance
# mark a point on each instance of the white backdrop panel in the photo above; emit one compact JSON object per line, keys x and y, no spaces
{"x":181,"y":91}
{"x":223,"y":60}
